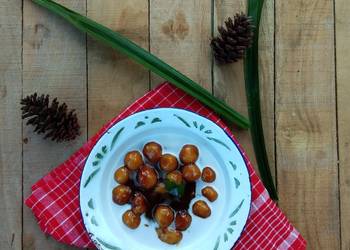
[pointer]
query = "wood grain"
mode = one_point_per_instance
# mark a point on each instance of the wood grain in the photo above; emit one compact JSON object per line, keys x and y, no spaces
{"x":342,"y":12}
{"x":180,"y":34}
{"x":306,"y":119}
{"x":54,"y":62}
{"x":114,"y":81}
{"x":10,"y":125}
{"x":229,"y":79}
{"x":102,"y":82}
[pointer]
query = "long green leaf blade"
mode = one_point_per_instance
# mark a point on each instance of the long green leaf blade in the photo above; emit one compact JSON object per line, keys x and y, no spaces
{"x":251,"y":73}
{"x":119,"y":42}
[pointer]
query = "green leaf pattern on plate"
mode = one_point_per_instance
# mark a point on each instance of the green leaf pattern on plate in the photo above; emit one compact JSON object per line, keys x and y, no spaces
{"x":156,"y":120}
{"x":182,"y":120}
{"x":99,"y":156}
{"x":139,"y":124}
{"x":237,"y":182}
{"x":142,"y":123}
{"x":234,"y":212}
{"x":116,"y":136}
{"x":109,"y":246}
{"x":233,"y":223}
{"x":234,"y":166}
{"x":91,"y":204}
{"x":201,"y":127}
{"x":219,"y":142}
{"x":225,"y":237}
{"x":216,"y":247}
{"x":91,"y":176}
{"x":93,"y":221}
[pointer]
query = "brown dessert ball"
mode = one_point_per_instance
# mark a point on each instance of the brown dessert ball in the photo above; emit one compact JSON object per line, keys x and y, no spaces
{"x":133,"y":160}
{"x":168,"y":163}
{"x":175,"y":177}
{"x":201,"y":209}
{"x":210,"y":193}
{"x":122,"y":175}
{"x":147,"y":177}
{"x":152,"y":151}
{"x":139,"y":203}
{"x":164,"y":216}
{"x":189,"y":154}
{"x":208,"y":175}
{"x":121,"y":194}
{"x":169,"y":236}
{"x":191,"y":172}
{"x":131,"y":219}
{"x":182,"y":220}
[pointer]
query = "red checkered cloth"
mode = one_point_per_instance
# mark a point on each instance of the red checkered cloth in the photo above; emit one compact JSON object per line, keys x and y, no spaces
{"x":55,"y":198}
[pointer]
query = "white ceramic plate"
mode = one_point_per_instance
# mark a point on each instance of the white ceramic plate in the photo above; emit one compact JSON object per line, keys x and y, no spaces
{"x":172,"y":128}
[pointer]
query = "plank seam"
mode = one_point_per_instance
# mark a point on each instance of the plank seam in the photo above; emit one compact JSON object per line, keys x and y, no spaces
{"x":22,"y":130}
{"x":336,"y":118}
{"x":212,"y":35}
{"x":274,"y":95}
{"x":87,"y":75}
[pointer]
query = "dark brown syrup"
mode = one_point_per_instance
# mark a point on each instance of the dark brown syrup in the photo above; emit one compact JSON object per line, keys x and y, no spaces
{"x":155,"y":198}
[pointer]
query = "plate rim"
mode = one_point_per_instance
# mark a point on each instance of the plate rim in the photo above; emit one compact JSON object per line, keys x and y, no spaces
{"x":239,"y":148}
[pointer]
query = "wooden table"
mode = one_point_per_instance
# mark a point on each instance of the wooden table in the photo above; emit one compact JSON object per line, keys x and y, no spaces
{"x":304,"y":59}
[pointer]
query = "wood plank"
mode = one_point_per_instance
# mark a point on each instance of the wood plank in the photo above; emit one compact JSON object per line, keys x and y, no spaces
{"x":229,"y":79}
{"x":180,"y":34}
{"x":342,"y":11}
{"x":306,"y":119}
{"x":10,"y":125}
{"x":54,"y":62}
{"x":114,"y":81}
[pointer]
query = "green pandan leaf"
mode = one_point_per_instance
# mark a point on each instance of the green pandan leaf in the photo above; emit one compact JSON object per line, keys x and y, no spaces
{"x":251,"y":74}
{"x":148,"y":60}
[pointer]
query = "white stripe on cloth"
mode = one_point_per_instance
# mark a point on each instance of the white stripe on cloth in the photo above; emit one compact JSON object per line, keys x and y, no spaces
{"x":67,"y":232}
{"x":258,"y":202}
{"x":289,"y":240}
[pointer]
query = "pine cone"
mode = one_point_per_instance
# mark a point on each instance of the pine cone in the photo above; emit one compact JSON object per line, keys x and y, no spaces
{"x":56,"y":121}
{"x":233,"y":40}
